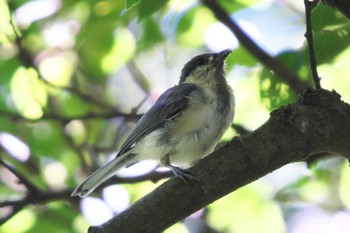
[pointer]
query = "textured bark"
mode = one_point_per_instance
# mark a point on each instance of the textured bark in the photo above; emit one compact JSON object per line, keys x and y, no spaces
{"x":318,"y":123}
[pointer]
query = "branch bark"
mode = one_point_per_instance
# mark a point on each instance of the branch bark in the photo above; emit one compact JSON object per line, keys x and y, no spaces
{"x":319,"y":122}
{"x":282,"y":72}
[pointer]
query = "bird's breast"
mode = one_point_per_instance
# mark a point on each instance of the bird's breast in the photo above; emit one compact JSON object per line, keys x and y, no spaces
{"x":207,"y":118}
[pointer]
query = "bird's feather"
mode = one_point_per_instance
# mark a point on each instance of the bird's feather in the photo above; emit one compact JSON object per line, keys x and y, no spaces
{"x":162,"y":111}
{"x":169,"y":105}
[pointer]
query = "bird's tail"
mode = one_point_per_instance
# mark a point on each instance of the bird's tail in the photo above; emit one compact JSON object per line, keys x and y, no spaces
{"x":99,"y":176}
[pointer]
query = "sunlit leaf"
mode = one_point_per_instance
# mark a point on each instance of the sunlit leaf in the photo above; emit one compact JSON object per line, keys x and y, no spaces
{"x":193,"y":25}
{"x":273,"y":92}
{"x":27,"y":218}
{"x":58,"y":70}
{"x":122,"y":50}
{"x":246,"y":210}
{"x":28,"y":93}
{"x":94,"y":42}
{"x":177,"y":228}
{"x":330,"y":75}
{"x":5,"y":27}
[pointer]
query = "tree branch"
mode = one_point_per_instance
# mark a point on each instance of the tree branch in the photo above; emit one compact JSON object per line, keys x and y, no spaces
{"x":281,"y":71}
{"x":23,"y":180}
{"x":318,"y":122}
{"x":65,"y":119}
{"x":38,"y":197}
{"x":309,"y":6}
{"x":41,"y":197}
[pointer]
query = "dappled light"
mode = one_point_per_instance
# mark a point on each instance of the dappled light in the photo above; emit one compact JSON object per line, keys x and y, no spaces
{"x":76,"y":76}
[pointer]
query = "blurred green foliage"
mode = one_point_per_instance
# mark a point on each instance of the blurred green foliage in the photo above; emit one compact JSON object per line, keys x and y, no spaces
{"x":67,"y":65}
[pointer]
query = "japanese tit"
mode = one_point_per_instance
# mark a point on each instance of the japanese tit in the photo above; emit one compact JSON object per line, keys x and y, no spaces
{"x":184,"y":124}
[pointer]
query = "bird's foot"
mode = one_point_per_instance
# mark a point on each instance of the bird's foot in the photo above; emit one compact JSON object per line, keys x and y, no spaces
{"x":183,"y":174}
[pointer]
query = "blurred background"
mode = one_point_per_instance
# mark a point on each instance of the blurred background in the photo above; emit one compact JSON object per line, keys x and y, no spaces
{"x":76,"y":75}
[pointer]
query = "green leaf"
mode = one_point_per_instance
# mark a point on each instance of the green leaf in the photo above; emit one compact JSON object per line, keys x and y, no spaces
{"x":71,"y":105}
{"x":103,"y":49}
{"x":57,"y":218}
{"x":231,"y":6}
{"x":26,"y":218}
{"x":331,"y":33}
{"x":7,"y":70}
{"x":47,"y":138}
{"x":149,"y":7}
{"x":193,"y":25}
{"x":241,"y":56}
{"x":95,"y":41}
{"x":151,"y":35}
{"x":273,"y":92}
{"x":122,"y":50}
{"x":296,"y":62}
{"x":28,"y":93}
{"x":329,"y":43}
{"x":131,"y":3}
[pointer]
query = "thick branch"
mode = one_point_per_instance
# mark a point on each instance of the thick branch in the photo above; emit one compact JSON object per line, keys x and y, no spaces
{"x":281,"y":71}
{"x":319,"y":122}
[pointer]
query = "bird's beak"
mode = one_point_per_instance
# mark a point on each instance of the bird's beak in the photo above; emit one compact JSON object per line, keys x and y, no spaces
{"x":221,"y":56}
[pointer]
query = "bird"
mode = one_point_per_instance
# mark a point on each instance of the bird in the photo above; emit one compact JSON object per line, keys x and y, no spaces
{"x":183,"y":125}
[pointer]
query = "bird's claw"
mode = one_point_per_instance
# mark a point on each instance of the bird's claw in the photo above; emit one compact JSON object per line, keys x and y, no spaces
{"x":183,"y":174}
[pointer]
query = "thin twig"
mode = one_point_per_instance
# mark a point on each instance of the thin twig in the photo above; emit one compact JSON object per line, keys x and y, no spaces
{"x":281,"y":71}
{"x":139,"y":77}
{"x":309,"y":6}
{"x":37,"y":198}
{"x":65,"y":194}
{"x":66,"y":119}
{"x":135,"y":109}
{"x":32,"y":189}
{"x":124,"y":127}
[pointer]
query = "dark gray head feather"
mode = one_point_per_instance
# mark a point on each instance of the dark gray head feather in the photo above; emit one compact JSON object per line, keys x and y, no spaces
{"x":204,"y":59}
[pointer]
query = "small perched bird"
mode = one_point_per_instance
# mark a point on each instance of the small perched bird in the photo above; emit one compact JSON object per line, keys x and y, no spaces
{"x":184,"y":124}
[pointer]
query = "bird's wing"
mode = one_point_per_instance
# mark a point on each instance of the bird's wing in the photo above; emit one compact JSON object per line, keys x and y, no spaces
{"x":169,"y":105}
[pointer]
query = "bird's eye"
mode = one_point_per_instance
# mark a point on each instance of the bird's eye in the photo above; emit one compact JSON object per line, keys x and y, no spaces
{"x":201,"y":61}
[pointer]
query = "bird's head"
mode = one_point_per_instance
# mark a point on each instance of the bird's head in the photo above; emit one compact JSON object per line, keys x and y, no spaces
{"x":204,"y":68}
